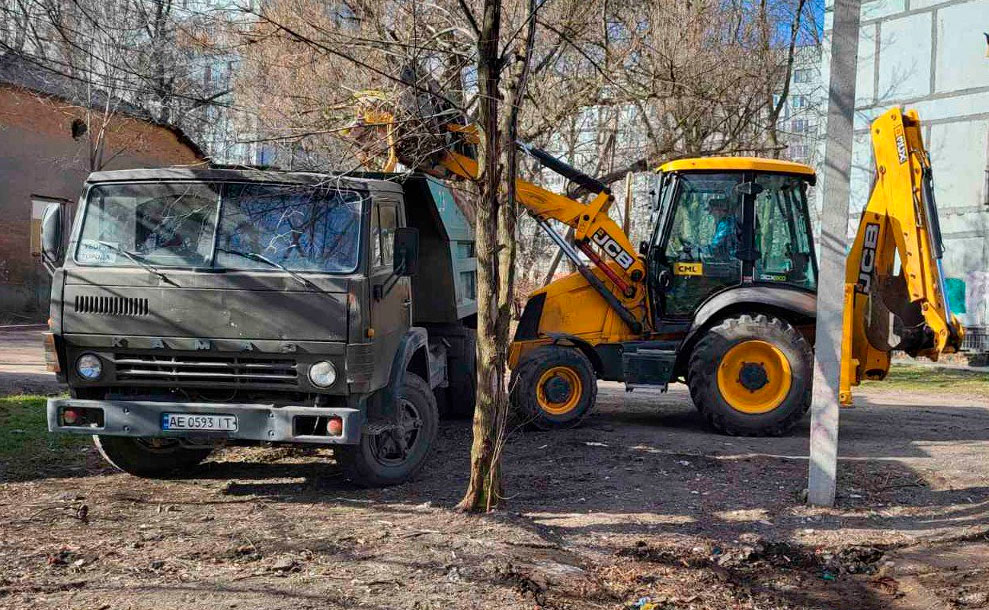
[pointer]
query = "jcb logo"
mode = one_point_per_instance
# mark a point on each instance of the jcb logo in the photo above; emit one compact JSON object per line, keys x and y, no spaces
{"x":901,"y":145}
{"x":612,"y":249}
{"x":868,"y":263}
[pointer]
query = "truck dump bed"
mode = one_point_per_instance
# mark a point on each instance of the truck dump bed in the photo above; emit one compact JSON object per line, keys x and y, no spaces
{"x":445,"y":289}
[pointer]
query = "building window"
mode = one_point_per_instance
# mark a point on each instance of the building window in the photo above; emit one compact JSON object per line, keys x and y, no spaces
{"x":798,"y":152}
{"x":802,"y":75}
{"x":800,"y":126}
{"x":799,"y":101}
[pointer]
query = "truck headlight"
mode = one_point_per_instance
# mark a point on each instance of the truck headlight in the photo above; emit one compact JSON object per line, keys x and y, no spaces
{"x":322,"y":374}
{"x":89,"y":367}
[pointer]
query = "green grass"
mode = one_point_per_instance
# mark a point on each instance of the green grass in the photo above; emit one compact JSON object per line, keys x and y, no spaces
{"x":27,"y":449}
{"x":913,"y":377}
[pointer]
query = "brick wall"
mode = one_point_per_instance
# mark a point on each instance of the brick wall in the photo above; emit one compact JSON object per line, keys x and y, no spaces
{"x":39,"y":158}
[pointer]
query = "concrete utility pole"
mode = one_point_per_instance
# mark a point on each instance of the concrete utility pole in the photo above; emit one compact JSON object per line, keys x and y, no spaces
{"x":834,"y":237}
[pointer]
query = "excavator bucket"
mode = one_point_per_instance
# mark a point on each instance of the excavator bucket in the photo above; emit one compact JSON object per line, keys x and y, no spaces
{"x":419,"y":126}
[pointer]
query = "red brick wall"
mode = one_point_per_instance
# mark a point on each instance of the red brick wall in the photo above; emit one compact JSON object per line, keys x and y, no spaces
{"x":39,"y":157}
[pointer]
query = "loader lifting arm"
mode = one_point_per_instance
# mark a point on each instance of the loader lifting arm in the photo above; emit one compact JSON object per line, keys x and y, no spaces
{"x":595,"y":233}
{"x":888,"y":309}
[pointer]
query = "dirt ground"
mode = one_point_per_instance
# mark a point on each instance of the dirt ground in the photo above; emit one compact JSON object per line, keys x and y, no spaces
{"x":641,"y":507}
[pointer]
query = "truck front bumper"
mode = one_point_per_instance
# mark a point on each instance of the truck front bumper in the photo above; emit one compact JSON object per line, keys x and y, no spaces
{"x":258,"y":422}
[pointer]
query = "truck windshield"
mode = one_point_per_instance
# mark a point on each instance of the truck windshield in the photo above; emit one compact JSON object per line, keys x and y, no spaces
{"x":302,"y":228}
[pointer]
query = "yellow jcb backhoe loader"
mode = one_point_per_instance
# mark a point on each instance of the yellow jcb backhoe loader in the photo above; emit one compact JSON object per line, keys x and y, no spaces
{"x":722,"y":293}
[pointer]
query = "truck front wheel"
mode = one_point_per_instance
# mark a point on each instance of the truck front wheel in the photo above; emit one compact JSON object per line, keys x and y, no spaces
{"x":149,"y":457}
{"x":395,"y":455}
{"x":751,"y":376}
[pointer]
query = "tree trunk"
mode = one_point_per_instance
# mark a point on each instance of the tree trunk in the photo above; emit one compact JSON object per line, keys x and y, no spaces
{"x":496,"y":248}
{"x":484,"y":488}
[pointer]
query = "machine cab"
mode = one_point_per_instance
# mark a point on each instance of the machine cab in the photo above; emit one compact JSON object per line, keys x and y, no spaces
{"x":725,"y":222}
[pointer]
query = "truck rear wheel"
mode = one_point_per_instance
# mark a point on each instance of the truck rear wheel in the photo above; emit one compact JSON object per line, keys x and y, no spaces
{"x":149,"y":457}
{"x":461,"y":395}
{"x":751,"y":376}
{"x":385,"y":458}
{"x":553,"y":387}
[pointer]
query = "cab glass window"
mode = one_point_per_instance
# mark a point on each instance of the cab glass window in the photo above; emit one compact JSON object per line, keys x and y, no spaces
{"x":783,"y":241}
{"x":707,"y":219}
{"x":705,"y":235}
{"x":387,"y":223}
{"x":160,"y":224}
{"x":299,"y":227}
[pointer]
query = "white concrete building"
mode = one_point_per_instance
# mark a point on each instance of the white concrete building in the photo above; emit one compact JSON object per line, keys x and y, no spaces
{"x":932,"y":55}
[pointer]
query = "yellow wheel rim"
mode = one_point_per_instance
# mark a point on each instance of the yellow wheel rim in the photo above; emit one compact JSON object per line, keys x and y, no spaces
{"x":754,"y":377}
{"x":559,"y":390}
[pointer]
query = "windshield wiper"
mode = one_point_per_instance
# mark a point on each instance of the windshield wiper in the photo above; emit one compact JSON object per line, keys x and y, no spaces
{"x":254,"y":256}
{"x":138,"y":260}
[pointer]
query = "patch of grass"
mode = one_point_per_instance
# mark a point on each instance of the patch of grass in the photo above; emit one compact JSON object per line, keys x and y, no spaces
{"x":914,"y":377}
{"x":27,"y":449}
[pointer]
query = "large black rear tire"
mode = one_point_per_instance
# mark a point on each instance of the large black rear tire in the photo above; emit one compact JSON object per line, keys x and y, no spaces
{"x":461,"y":394}
{"x":150,"y":458}
{"x":553,"y":387}
{"x":751,"y":375}
{"x":379,"y":459}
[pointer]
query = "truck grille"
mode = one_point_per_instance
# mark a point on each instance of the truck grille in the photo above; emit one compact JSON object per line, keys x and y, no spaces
{"x":207,"y":369}
{"x":112,"y":306}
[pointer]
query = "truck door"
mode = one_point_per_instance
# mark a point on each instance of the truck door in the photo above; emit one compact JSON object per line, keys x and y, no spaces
{"x":391,"y":309}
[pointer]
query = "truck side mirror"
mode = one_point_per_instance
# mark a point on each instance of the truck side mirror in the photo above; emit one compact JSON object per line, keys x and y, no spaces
{"x":51,"y":236}
{"x":405,"y":261}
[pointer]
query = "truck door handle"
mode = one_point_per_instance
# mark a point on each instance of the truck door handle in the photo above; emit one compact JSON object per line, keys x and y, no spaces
{"x":407,"y":302}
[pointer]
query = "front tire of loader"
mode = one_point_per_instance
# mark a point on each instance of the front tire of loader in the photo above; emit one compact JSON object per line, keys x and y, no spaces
{"x":751,"y":375}
{"x":553,"y":388}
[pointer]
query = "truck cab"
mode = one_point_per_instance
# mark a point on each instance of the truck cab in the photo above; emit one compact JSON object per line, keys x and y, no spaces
{"x":196,"y":307}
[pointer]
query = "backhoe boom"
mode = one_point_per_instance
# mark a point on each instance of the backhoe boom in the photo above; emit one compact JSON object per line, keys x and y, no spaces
{"x":894,"y":282}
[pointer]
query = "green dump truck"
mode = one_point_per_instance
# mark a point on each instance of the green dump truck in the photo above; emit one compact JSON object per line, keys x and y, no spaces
{"x":196,"y":307}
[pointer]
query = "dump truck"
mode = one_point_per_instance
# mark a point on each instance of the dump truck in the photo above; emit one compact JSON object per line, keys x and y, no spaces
{"x":192,"y":308}
{"x":722,"y":292}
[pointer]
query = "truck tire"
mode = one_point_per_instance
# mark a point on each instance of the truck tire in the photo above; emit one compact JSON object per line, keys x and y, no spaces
{"x":751,"y":376}
{"x":149,"y":458}
{"x":553,"y":387}
{"x":461,"y":394}
{"x":378,"y":460}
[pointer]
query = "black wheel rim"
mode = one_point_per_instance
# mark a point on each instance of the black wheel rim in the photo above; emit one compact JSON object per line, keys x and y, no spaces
{"x":393,"y":447}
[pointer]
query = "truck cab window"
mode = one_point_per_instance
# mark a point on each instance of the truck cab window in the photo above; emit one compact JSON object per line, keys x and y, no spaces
{"x":375,"y":239}
{"x":387,"y":223}
{"x":300,"y":227}
{"x":164,"y":224}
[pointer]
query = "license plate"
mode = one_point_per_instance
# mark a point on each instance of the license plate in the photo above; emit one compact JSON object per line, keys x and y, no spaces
{"x":196,"y":421}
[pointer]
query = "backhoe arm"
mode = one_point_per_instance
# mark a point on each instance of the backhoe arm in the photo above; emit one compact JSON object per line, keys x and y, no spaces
{"x":590,"y":221}
{"x":894,"y":283}
{"x":595,"y":233}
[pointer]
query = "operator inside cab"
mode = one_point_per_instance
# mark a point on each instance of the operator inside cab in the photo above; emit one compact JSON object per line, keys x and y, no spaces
{"x":724,"y":242}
